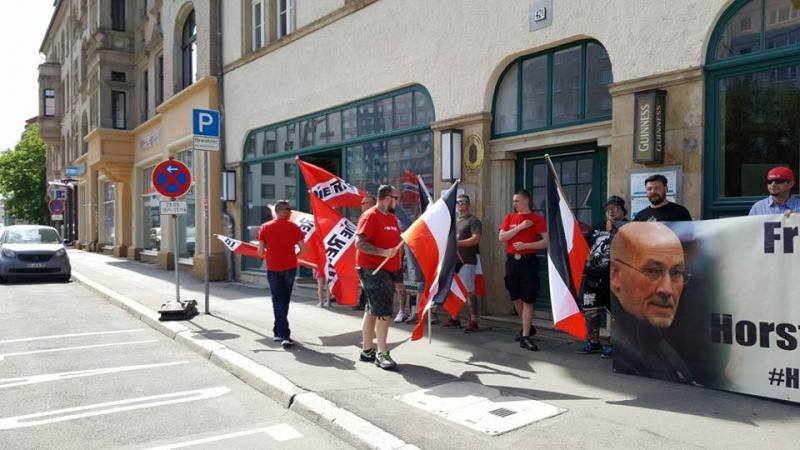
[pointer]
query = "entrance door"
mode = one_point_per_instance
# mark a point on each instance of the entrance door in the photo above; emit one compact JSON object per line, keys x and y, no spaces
{"x":330,"y":161}
{"x":582,"y":172}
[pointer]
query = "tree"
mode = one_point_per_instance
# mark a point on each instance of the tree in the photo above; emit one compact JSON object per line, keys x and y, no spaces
{"x":23,"y":178}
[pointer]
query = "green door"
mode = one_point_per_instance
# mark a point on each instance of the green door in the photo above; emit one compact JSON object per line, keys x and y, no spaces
{"x":582,"y":172}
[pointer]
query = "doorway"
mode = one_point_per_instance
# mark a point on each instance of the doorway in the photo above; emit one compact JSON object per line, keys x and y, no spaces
{"x":330,"y":160}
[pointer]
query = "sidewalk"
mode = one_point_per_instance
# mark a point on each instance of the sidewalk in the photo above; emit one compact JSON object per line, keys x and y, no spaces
{"x":601,"y":409}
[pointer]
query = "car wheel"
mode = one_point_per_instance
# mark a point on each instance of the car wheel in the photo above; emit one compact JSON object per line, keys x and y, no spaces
{"x":65,"y":278}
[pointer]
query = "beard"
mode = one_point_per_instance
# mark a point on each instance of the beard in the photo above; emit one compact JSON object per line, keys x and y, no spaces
{"x":656,"y":198}
{"x":390,"y":209}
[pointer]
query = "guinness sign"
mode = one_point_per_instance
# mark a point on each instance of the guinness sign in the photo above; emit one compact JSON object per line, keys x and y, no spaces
{"x":649,"y":126}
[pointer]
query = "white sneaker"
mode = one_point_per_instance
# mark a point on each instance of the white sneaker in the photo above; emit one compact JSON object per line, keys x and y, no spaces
{"x":400,"y":317}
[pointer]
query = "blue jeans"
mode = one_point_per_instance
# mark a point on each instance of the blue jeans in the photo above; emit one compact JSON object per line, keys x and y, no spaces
{"x":280,"y":285}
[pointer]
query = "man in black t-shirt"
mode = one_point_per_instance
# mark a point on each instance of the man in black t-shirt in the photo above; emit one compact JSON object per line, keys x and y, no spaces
{"x":660,"y":210}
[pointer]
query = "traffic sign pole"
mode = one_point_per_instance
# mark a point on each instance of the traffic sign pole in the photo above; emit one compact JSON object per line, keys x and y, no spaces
{"x":205,"y":138}
{"x":175,"y":247}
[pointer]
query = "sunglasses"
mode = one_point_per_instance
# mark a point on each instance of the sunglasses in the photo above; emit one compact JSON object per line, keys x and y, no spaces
{"x":777,"y":181}
{"x":461,"y":202}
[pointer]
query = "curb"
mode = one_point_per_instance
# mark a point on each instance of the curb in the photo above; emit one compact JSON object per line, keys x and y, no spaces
{"x":320,"y":411}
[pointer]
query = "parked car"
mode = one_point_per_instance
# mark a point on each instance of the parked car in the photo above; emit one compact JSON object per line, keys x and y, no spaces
{"x":33,"y":251}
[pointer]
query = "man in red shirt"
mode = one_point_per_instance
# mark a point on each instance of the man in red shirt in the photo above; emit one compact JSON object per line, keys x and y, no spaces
{"x":279,"y":237}
{"x":524,"y":233}
{"x":378,"y":238}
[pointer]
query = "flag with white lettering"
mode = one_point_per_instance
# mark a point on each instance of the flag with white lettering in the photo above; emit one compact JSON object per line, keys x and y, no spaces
{"x":250,"y":250}
{"x":338,"y":236}
{"x":329,"y":188}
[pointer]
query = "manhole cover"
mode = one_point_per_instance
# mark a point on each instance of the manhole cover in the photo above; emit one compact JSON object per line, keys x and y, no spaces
{"x":479,"y":407}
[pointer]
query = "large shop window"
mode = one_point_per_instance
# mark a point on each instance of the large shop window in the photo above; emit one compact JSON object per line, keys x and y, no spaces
{"x":753,"y":94}
{"x":371,"y":142}
{"x":561,"y":87}
{"x":108,"y":228}
{"x":187,"y":223}
{"x":151,"y":216}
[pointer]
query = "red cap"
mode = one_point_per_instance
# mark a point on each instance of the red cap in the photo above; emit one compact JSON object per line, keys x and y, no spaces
{"x":780,"y":173}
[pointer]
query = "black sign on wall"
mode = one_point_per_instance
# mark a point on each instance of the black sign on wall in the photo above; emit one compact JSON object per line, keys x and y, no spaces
{"x":649,"y":126}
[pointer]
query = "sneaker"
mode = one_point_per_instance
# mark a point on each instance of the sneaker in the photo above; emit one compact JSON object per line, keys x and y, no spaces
{"x":327,"y":304}
{"x":276,"y":338}
{"x":528,"y":344}
{"x":519,"y":333}
{"x":412,"y":320}
{"x":367,"y":355}
{"x":590,"y":347}
{"x":400,"y":317}
{"x":287,"y":342}
{"x":608,"y":352}
{"x":472,"y":327}
{"x":384,"y":361}
{"x":452,"y":323}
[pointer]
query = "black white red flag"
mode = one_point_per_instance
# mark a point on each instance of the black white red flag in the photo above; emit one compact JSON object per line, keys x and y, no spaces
{"x":566,"y":257}
{"x":329,"y":188}
{"x":338,"y":236}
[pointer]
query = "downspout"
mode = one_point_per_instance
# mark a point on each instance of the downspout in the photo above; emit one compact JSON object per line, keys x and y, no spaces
{"x":227,"y":218}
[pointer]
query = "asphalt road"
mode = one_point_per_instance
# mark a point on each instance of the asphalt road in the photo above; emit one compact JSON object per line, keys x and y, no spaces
{"x":79,"y":373}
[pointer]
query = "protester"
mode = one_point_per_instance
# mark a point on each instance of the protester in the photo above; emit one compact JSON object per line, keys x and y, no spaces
{"x":366,"y":203}
{"x":323,"y":295}
{"x":660,"y":209}
{"x":378,"y":238}
{"x":596,"y":290}
{"x":780,"y":181}
{"x":648,"y":273}
{"x":524,"y":233}
{"x":276,"y":243}
{"x":468,"y":235}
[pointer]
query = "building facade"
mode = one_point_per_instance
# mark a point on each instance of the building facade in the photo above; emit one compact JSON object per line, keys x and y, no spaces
{"x":117,"y":89}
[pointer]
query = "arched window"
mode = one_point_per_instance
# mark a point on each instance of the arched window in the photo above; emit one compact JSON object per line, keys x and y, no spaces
{"x":753,"y":102}
{"x":561,"y":87}
{"x":189,"y":51}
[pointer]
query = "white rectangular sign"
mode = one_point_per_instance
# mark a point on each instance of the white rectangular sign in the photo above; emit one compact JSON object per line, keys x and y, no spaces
{"x":205,"y":144}
{"x":177,"y":208}
{"x":56,"y":217}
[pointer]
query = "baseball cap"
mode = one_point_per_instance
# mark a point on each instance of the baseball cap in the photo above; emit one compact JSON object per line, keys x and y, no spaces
{"x":780,"y":173}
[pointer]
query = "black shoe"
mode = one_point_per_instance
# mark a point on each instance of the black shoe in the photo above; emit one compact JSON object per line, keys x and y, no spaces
{"x":519,"y":334}
{"x":384,"y":361}
{"x":367,"y":355}
{"x":528,"y":344}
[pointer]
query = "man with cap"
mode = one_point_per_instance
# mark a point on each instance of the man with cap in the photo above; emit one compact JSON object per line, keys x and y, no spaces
{"x":596,"y":289}
{"x":780,"y":181}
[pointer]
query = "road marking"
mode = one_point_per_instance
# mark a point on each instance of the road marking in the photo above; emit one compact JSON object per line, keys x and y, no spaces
{"x":82,"y":347}
{"x":59,"y":336}
{"x":281,"y":432}
{"x":35,"y":379}
{"x":98,"y":409}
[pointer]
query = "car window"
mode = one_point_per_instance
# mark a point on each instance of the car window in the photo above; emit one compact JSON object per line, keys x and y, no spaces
{"x":31,"y":236}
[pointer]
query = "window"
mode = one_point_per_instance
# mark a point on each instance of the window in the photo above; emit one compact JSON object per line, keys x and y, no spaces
{"x":49,"y":102}
{"x":118,"y":110}
{"x":159,"y":79}
{"x":186,"y":223}
{"x":561,"y":87}
{"x":257,"y":24}
{"x":285,"y":18}
{"x":741,"y":31}
{"x":189,"y":51}
{"x":118,"y":15}
{"x":151,"y":214}
{"x":268,"y":191}
{"x":145,"y":95}
{"x":109,"y":195}
{"x":118,"y":77}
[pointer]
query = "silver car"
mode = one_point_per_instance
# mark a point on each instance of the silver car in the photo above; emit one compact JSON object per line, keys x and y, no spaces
{"x":32,"y":251}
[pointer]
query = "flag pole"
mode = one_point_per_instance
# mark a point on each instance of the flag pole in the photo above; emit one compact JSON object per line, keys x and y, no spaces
{"x":385,"y":260}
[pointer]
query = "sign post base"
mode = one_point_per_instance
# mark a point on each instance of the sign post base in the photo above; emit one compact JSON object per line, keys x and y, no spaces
{"x":178,"y":310}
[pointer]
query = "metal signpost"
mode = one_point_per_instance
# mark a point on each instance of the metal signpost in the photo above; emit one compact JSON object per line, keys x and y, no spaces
{"x":205,"y":131}
{"x":173,"y":179}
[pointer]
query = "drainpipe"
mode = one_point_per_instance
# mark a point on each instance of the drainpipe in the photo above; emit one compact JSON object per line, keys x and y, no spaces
{"x":228,"y":219}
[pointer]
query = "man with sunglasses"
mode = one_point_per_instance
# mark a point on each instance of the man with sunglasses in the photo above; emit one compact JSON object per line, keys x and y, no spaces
{"x":468,"y":239}
{"x":780,"y":181}
{"x":648,"y":273}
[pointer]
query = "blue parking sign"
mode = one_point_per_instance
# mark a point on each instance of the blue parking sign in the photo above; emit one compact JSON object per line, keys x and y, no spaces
{"x":205,"y":122}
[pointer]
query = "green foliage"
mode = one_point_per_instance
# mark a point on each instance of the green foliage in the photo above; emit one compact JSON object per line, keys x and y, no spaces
{"x":23,"y":178}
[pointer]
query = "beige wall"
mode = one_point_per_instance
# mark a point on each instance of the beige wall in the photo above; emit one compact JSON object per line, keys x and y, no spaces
{"x":307,"y":11}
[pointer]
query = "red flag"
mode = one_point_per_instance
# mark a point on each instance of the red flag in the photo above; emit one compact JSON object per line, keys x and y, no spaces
{"x":455,"y":300}
{"x":432,"y":240}
{"x":566,"y":257}
{"x":251,"y":250}
{"x":338,"y":237}
{"x":329,"y":188}
{"x":480,"y":282}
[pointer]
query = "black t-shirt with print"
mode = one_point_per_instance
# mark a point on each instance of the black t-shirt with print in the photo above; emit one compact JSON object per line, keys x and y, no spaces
{"x":671,"y":212}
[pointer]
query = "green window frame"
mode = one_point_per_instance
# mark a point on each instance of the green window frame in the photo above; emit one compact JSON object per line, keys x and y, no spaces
{"x":715,"y":205}
{"x":515,"y":69}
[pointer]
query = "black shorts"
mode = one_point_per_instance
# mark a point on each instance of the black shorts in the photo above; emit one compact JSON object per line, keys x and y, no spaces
{"x":522,"y":278}
{"x":378,"y":291}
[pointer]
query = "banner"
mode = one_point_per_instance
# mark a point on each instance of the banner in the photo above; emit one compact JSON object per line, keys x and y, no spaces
{"x":338,"y":236}
{"x":329,"y":188}
{"x":713,"y":303}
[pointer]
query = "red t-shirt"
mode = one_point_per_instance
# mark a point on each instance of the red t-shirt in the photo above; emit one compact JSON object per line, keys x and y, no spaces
{"x":382,"y":231}
{"x":528,"y":235}
{"x":279,"y":238}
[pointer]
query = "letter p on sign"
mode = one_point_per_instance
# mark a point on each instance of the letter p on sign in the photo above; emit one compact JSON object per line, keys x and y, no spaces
{"x":205,"y":122}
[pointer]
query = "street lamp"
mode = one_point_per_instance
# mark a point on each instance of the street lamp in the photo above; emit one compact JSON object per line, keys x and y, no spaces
{"x":451,"y":141}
